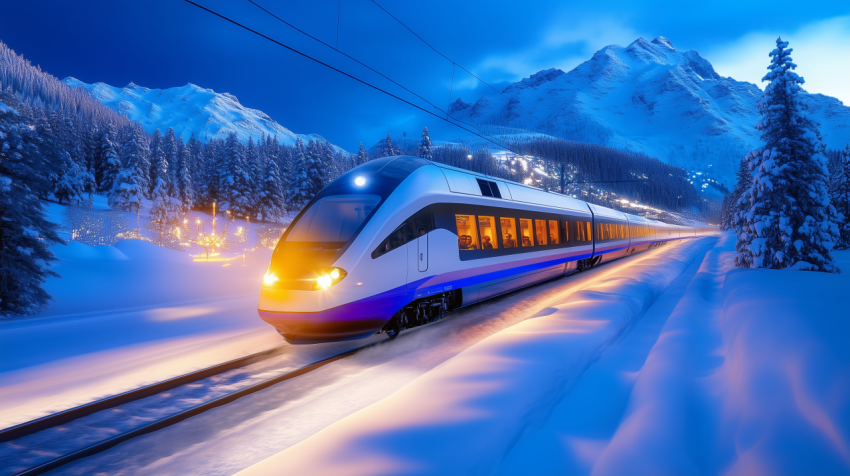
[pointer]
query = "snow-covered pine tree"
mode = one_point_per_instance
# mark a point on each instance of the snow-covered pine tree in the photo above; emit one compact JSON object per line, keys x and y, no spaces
{"x":739,"y":206}
{"x":25,"y":234}
{"x":840,"y":195}
{"x":71,"y":181}
{"x":284,"y":163}
{"x":157,"y":155}
{"x":110,"y":164}
{"x":315,"y":172}
{"x":299,"y":182}
{"x":212,"y":167}
{"x":170,"y":148}
{"x":235,"y":185}
{"x":161,"y":209}
{"x":184,"y":186}
{"x":789,"y":222}
{"x":362,"y":156}
{"x":128,"y":188}
{"x":196,"y":164}
{"x":425,"y":146}
{"x":271,"y":200}
{"x":255,"y":166}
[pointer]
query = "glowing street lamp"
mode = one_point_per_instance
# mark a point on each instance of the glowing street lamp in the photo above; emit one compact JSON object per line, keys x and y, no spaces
{"x":198,"y":222}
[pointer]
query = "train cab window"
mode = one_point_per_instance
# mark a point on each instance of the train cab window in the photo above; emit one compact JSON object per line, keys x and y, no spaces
{"x":540,"y":233}
{"x":489,"y":236}
{"x":467,"y":233}
{"x":554,"y":233}
{"x":525,"y":232}
{"x":508,"y":232}
{"x":334,"y":218}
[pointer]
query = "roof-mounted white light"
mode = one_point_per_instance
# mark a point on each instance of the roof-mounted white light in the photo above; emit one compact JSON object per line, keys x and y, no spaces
{"x":360,"y":181}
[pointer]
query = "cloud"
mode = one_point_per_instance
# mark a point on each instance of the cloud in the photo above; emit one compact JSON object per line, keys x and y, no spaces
{"x":563,"y":44}
{"x":821,"y":53}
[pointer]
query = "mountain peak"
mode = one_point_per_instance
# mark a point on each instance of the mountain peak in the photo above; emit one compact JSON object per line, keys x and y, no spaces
{"x":661,"y":41}
{"x":535,"y":79}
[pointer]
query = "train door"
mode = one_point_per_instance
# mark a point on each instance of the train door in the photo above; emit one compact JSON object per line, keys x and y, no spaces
{"x":422,"y":252}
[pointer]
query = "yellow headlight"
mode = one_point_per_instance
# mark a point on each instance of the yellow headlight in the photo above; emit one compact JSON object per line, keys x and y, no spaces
{"x":329,"y":278}
{"x":269,"y":279}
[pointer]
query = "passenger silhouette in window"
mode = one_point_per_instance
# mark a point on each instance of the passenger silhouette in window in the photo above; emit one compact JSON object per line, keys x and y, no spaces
{"x":510,"y":242}
{"x":465,"y":243}
{"x":526,"y":241}
{"x":485,"y":243}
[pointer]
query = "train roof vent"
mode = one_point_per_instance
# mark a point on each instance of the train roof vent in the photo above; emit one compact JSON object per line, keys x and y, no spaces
{"x":489,"y":189}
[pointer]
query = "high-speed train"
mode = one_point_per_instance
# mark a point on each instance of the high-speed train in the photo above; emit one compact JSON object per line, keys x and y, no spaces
{"x":397,"y":241}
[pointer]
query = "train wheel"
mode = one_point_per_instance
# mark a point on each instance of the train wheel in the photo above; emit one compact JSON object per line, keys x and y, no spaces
{"x":392,"y":328}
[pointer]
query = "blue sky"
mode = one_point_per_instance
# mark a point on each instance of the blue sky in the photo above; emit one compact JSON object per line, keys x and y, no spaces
{"x":166,"y":43}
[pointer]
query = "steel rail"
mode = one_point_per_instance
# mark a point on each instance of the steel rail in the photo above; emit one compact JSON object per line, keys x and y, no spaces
{"x":66,"y":416}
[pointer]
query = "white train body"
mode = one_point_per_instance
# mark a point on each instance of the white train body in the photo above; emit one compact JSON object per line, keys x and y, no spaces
{"x":393,"y":241}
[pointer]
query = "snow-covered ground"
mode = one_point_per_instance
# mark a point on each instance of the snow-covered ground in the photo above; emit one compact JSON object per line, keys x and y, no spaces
{"x":671,"y":361}
{"x":730,"y":371}
{"x":128,"y":315}
{"x":235,"y":436}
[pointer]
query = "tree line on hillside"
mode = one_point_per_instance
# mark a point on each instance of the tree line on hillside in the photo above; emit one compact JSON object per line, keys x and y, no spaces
{"x":791,"y":205}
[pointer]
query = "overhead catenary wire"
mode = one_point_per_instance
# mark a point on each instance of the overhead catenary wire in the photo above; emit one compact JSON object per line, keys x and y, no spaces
{"x":446,"y":112}
{"x":449,"y":59}
{"x":305,"y":55}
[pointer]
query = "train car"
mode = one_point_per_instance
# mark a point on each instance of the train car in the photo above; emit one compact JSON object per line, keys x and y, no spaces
{"x":397,"y":241}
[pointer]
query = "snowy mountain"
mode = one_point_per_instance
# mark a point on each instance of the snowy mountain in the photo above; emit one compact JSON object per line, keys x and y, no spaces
{"x":190,"y":109}
{"x":647,"y":97}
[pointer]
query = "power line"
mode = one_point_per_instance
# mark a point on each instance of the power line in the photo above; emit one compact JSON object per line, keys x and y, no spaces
{"x":368,"y":67}
{"x":488,"y":139}
{"x":449,"y":59}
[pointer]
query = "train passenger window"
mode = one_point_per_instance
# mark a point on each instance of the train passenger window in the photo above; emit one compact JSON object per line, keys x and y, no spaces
{"x":487,"y":227}
{"x":554,"y":233}
{"x":566,"y":231}
{"x":508,"y":232}
{"x":540,"y":232}
{"x":583,"y":231}
{"x":600,"y":231}
{"x":467,"y":235}
{"x":525,"y":231}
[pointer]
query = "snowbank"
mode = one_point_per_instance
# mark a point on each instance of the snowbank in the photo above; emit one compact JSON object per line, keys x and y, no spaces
{"x":126,"y":316}
{"x":463,"y":416}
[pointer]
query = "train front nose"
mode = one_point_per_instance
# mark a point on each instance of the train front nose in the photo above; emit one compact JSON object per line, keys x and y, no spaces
{"x":308,"y":300}
{"x":305,"y":317}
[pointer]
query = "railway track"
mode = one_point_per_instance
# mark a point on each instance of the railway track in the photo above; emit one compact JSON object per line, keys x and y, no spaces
{"x":29,"y":439}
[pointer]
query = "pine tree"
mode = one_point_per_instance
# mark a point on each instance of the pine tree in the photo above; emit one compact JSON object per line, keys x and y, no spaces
{"x":315,"y":172}
{"x":425,"y":146}
{"x":327,"y":161}
{"x":299,"y":183}
{"x":71,"y":181}
{"x":110,"y":164}
{"x":157,"y":155}
{"x":788,"y":222}
{"x":235,"y":185}
{"x":840,"y":194}
{"x":25,"y":234}
{"x":212,"y":167}
{"x":129,"y":185}
{"x":271,"y":200}
{"x":255,"y":166}
{"x":184,"y":186}
{"x":171,"y":150}
{"x":362,"y":156}
{"x":161,"y":208}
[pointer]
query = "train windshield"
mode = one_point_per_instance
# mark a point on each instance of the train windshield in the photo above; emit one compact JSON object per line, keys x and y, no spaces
{"x":333,"y":219}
